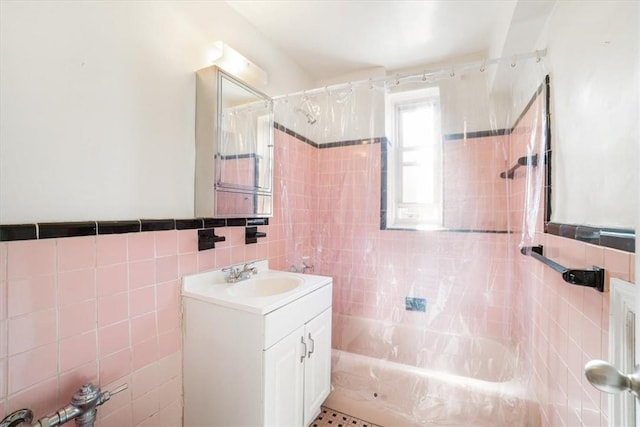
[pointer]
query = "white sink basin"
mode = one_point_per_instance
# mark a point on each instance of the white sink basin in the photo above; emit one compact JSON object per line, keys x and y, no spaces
{"x":264,"y":286}
{"x":263,"y":293}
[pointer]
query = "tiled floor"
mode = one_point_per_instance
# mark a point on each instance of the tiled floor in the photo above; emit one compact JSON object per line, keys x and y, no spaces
{"x":329,"y":417}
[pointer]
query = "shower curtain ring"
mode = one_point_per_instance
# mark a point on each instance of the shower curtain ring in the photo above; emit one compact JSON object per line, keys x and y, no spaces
{"x":397,"y":79}
{"x":538,"y":56}
{"x":424,"y":76}
{"x":513,"y":62}
{"x":482,"y":66}
{"x":370,"y":83}
{"x":453,"y":71}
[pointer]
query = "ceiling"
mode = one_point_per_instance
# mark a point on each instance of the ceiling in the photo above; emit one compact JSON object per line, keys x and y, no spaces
{"x":329,"y":39}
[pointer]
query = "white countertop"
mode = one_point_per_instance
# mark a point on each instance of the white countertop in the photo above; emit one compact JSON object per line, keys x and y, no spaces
{"x":210,"y":286}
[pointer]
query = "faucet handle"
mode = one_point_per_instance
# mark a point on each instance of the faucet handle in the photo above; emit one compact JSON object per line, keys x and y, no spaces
{"x":109,"y":394}
{"x":305,"y":267}
{"x":250,"y":267}
{"x":233,"y":271}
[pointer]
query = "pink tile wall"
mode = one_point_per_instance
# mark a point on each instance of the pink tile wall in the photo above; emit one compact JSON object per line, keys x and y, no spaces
{"x":70,"y":314}
{"x":568,"y":327}
{"x":103,"y":309}
{"x":375,"y":270}
{"x":475,"y":197}
{"x":294,"y":223}
{"x":467,"y":279}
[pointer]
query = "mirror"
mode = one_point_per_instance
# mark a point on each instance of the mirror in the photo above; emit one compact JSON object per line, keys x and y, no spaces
{"x":234,"y":147}
{"x":244,"y":149}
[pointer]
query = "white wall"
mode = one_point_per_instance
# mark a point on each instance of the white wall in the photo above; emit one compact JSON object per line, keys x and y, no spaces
{"x":97,"y":104}
{"x":593,"y":65}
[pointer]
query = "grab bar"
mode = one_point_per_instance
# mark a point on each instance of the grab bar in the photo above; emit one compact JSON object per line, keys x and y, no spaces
{"x":593,"y":278}
{"x":522,"y":161}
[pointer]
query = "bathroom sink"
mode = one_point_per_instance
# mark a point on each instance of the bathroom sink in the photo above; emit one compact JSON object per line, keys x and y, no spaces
{"x":263,"y":293}
{"x":264,"y":287}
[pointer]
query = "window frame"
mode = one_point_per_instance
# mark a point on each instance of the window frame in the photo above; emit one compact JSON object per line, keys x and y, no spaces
{"x":395,"y":102}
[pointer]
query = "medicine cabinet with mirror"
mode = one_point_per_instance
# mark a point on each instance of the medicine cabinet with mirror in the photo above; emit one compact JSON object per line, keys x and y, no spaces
{"x":234,"y":147}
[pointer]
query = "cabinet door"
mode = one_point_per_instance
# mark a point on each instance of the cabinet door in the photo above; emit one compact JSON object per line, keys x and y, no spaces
{"x":317,"y":376}
{"x":284,"y":378}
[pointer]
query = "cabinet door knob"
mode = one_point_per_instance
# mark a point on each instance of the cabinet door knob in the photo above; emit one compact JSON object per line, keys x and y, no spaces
{"x":304,"y":352}
{"x":313,"y":345}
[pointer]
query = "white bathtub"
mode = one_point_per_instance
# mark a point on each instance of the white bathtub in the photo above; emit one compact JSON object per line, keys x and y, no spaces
{"x":395,"y":375}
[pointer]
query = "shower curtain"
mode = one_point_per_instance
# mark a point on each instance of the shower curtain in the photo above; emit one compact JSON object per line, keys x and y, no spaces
{"x":400,"y":190}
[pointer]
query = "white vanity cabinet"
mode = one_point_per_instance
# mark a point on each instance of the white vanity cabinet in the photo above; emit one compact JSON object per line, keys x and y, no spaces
{"x":248,"y":368}
{"x":295,"y":369}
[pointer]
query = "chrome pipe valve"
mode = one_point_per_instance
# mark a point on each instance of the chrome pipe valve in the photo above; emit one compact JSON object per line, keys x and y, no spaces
{"x":83,"y":407}
{"x":18,"y":417}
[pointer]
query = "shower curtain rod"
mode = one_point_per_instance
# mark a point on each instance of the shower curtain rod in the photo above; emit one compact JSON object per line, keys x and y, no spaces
{"x":452,"y":69}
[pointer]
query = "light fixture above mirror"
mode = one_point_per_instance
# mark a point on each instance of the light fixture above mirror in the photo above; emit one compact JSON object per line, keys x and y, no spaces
{"x":233,"y":62}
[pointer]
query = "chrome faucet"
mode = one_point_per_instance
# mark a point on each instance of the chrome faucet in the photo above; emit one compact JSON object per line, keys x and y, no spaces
{"x":83,"y":408}
{"x":235,"y":274}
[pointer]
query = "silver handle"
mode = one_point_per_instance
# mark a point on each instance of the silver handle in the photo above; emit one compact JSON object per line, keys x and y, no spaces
{"x":304,"y":353}
{"x":605,"y":377}
{"x":313,"y":345}
{"x":109,"y":394}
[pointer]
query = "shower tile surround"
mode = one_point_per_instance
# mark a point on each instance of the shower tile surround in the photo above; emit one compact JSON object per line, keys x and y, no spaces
{"x":105,"y":307}
{"x":555,"y":326}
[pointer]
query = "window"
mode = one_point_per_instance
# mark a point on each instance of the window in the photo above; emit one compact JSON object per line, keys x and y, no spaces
{"x":414,"y":162}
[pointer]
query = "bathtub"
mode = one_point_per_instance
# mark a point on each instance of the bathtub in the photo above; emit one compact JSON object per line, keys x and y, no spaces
{"x":398,"y":375}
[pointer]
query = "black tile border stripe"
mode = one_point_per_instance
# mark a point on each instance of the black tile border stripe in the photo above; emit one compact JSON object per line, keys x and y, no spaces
{"x":189,"y":224}
{"x":614,"y":238}
{"x":336,"y":144}
{"x":236,"y":222}
{"x":257,"y":221}
{"x":378,"y":140}
{"x":18,"y":232}
{"x":51,"y":230}
{"x":296,"y":135}
{"x":157,"y":224}
{"x":118,"y":227}
{"x":478,"y":134}
{"x":452,"y":230}
{"x":214,"y":222}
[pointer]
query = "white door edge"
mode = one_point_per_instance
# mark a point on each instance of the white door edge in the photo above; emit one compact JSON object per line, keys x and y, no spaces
{"x":622,"y":309}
